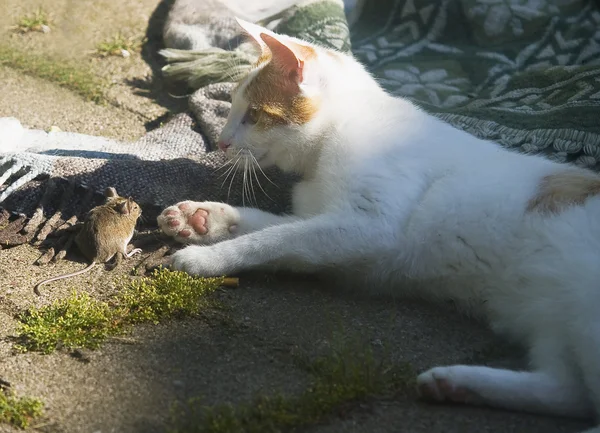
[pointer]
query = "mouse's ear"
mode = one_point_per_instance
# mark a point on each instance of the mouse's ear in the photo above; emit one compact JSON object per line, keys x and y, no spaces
{"x":110,"y":192}
{"x":124,"y":207}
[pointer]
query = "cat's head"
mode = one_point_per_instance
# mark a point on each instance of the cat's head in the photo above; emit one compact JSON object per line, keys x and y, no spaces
{"x":280,"y":109}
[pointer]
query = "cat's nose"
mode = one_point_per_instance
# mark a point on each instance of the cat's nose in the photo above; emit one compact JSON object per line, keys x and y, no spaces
{"x":224,"y":145}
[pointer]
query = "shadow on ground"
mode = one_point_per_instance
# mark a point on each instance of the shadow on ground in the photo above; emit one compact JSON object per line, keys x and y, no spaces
{"x":170,"y":96}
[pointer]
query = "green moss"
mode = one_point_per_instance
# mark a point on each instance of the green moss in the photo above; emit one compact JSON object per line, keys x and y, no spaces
{"x":118,"y":45}
{"x":341,"y":378}
{"x":77,"y":321}
{"x":39,"y":21}
{"x":167,"y":294}
{"x":65,"y":74}
{"x":81,"y":321}
{"x":18,"y":411}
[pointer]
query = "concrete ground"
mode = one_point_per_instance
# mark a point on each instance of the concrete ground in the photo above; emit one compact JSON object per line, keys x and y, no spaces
{"x":129,"y":384}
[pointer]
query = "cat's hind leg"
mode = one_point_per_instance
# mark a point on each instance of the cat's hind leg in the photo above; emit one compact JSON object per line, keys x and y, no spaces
{"x":535,"y":392}
{"x":585,"y":346}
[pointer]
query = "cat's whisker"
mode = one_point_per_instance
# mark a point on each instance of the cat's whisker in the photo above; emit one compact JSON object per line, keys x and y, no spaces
{"x":227,"y":177}
{"x":228,"y":172}
{"x":233,"y":177}
{"x":231,"y":169}
{"x":258,"y":181}
{"x":249,"y":179}
{"x":222,"y":166}
{"x":262,"y":171}
{"x":250,"y":182}
{"x":244,"y":182}
{"x":228,"y":162}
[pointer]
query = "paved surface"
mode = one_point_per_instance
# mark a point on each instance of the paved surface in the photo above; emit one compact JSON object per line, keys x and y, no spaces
{"x":128,"y":386}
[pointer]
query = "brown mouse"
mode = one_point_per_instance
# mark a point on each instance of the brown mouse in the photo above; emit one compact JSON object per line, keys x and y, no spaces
{"x":105,"y":233}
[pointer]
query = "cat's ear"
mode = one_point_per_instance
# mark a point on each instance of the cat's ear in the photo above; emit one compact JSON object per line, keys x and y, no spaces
{"x":289,"y":56}
{"x":254,"y":31}
{"x":286,"y":54}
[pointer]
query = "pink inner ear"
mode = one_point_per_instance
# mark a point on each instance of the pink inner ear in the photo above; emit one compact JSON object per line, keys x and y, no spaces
{"x":287,"y":56}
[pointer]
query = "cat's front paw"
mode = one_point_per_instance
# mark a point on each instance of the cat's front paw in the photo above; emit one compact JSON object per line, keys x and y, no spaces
{"x":199,"y":222}
{"x":203,"y":261}
{"x":447,"y":384}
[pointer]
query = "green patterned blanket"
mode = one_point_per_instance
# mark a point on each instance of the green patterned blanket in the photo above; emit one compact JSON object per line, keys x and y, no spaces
{"x":523,"y":73}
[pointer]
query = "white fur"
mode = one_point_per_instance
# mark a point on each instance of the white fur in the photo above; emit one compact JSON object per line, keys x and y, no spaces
{"x":394,"y":199}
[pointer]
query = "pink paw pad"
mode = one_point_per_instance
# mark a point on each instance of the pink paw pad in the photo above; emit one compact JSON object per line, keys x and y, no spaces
{"x":198,"y":221}
{"x":194,"y":222}
{"x":185,"y":233}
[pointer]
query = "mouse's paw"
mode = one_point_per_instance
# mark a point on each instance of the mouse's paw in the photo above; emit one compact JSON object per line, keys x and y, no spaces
{"x":199,"y":222}
{"x":133,"y":252}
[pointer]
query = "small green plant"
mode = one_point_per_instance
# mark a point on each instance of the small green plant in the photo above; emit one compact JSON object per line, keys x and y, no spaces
{"x":167,"y":294}
{"x":39,"y":21}
{"x":341,"y":378}
{"x":81,"y":321}
{"x":118,"y":45}
{"x":72,"y":77}
{"x":77,"y":321}
{"x":18,"y":411}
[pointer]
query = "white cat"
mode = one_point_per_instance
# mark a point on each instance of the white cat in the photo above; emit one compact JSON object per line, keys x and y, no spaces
{"x":395,"y":200}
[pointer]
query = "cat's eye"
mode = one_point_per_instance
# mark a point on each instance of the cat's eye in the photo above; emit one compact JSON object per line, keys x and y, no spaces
{"x":251,"y":116}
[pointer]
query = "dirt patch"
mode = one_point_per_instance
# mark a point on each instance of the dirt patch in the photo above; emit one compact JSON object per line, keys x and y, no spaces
{"x":40,"y":104}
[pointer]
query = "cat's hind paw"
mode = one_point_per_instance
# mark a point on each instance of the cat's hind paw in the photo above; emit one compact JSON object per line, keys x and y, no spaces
{"x":445,"y":384}
{"x":199,"y":222}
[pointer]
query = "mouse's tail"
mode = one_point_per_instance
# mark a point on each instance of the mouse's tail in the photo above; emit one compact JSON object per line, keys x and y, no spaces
{"x":36,"y":288}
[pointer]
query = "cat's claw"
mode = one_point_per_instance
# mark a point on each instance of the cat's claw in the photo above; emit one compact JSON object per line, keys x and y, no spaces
{"x":199,"y":222}
{"x":442,"y":384}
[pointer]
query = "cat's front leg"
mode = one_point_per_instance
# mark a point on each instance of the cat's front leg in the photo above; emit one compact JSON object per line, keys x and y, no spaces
{"x":303,"y":245}
{"x":209,"y":222}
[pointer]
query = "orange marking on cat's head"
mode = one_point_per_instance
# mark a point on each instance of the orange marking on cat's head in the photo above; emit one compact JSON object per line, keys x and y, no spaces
{"x":274,"y":89}
{"x":561,"y":190}
{"x":278,"y":98}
